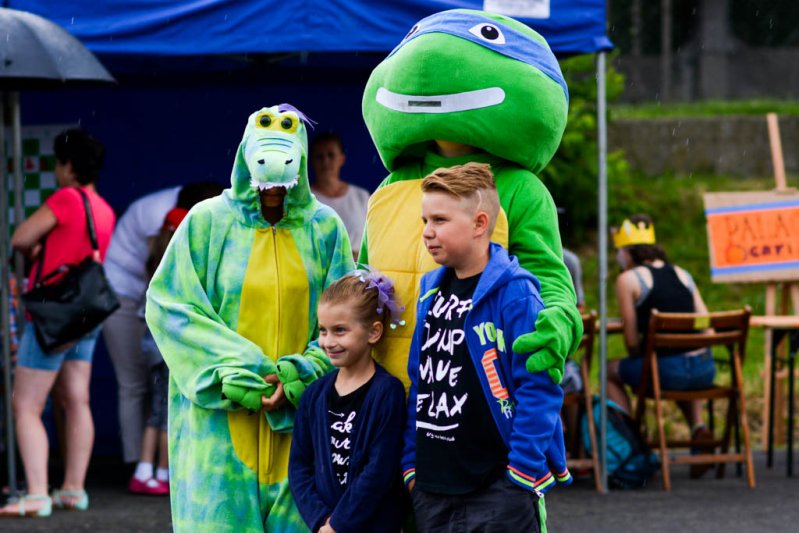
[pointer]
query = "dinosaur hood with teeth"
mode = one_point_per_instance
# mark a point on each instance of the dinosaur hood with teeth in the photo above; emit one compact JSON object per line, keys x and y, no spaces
{"x":273,"y":153}
{"x":471,"y":77}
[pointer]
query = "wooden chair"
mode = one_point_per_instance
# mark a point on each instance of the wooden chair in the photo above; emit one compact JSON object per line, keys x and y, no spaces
{"x":691,"y":331}
{"x":583,"y":399}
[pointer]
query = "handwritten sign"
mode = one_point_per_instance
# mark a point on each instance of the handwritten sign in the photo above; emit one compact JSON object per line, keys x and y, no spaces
{"x":753,"y":236}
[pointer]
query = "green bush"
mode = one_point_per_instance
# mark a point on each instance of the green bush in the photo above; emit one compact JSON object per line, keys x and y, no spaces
{"x":572,"y":174}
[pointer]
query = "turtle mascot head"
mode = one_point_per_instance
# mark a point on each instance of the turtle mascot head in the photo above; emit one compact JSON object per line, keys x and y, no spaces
{"x":470,"y":77}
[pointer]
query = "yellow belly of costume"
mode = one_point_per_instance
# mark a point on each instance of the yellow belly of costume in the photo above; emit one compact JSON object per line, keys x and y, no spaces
{"x":396,"y":248}
{"x":273,"y":314}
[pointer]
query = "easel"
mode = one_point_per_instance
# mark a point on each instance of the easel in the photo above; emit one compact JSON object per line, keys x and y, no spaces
{"x":790,"y":290}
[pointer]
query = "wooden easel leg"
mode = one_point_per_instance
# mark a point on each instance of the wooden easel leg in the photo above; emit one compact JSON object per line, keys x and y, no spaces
{"x":779,"y":382}
{"x":771,"y":309}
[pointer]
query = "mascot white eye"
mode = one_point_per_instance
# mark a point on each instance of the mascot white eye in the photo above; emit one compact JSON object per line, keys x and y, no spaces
{"x":488,"y":33}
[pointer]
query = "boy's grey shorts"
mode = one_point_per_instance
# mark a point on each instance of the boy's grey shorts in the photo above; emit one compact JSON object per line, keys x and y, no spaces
{"x":501,"y":507}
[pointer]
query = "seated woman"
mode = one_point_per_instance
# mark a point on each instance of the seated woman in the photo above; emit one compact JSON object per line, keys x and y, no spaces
{"x":648,"y":281}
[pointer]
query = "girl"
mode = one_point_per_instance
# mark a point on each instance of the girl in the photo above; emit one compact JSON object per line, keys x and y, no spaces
{"x":344,"y":466}
{"x":145,"y":480}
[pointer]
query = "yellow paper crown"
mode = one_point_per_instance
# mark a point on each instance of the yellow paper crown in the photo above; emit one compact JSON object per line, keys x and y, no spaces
{"x":629,"y":234}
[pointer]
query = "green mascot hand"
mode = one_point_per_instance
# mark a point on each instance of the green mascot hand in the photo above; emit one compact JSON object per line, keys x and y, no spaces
{"x":293,"y":391}
{"x":286,"y":373}
{"x":556,"y":336}
{"x":293,"y":386}
{"x":247,"y":398}
{"x":542,"y":360}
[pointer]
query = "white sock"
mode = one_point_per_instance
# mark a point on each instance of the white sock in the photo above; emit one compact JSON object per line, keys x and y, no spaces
{"x":162,"y":474}
{"x":144,"y":471}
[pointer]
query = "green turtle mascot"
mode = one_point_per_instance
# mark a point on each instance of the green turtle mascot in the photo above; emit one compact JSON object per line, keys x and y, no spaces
{"x":466,"y":86}
{"x":234,"y":302}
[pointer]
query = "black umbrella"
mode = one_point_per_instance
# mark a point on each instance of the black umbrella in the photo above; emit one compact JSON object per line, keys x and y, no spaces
{"x":34,"y":54}
{"x":37,"y":53}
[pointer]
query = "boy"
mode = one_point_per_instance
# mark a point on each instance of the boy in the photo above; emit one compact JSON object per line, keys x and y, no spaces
{"x":482,"y":432}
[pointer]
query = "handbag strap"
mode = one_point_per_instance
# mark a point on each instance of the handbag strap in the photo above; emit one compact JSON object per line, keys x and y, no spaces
{"x":90,"y":222}
{"x":92,"y":237}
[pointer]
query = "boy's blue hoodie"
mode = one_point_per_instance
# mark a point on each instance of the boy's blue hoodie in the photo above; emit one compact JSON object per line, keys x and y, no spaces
{"x":525,"y":407}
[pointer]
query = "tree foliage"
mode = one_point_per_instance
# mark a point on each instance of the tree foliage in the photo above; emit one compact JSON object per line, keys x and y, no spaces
{"x":572,"y":174}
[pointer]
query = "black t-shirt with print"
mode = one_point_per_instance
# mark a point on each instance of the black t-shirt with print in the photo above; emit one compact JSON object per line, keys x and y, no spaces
{"x":342,"y":415}
{"x":458,"y":446}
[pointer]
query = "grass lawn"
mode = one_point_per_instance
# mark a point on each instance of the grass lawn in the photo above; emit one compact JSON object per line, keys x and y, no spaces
{"x":705,"y":108}
{"x":675,"y":203}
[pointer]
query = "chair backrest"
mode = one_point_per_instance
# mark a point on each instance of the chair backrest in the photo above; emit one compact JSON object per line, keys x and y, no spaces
{"x":697,"y":330}
{"x":587,"y":341}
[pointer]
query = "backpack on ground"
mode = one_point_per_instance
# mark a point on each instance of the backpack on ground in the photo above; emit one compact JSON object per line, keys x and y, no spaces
{"x":630,"y":462}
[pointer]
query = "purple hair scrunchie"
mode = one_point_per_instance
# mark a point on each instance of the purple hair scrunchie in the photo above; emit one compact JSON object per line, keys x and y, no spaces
{"x":385,"y":292}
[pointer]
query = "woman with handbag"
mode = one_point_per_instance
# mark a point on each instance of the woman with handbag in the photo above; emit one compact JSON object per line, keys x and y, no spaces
{"x":57,"y":235}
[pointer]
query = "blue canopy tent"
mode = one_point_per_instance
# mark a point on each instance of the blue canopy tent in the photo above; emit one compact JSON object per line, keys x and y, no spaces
{"x":213,"y":27}
{"x":190,"y":71}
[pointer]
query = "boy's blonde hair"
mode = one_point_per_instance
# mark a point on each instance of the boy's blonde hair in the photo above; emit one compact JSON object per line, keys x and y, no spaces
{"x":473,"y":183}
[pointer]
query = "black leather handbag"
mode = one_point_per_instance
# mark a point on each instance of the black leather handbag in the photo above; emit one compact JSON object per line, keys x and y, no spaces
{"x":67,"y":309}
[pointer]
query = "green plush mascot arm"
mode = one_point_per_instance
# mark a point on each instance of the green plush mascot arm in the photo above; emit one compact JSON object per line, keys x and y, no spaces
{"x":201,"y":351}
{"x":536,"y":242}
{"x":363,"y":255}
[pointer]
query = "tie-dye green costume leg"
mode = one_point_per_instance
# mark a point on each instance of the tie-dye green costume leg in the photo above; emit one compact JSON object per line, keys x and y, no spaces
{"x":233,"y":300}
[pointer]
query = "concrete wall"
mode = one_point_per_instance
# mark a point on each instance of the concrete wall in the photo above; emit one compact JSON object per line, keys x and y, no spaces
{"x":736,"y":146}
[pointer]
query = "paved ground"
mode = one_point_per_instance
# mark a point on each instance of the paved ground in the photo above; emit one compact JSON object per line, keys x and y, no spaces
{"x":704,"y":505}
{"x":112,"y":508}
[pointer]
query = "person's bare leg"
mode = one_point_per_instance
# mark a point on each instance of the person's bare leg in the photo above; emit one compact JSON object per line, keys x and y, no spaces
{"x":701,"y":437}
{"x":163,"y":450}
{"x":73,"y":389}
{"x":149,"y":443}
{"x":31,"y":388}
{"x":692,"y":411}
{"x":616,"y":390}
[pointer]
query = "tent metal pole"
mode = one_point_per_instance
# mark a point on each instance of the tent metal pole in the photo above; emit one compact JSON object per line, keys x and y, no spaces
{"x":602,"y":148}
{"x":5,"y":313}
{"x":19,"y":213}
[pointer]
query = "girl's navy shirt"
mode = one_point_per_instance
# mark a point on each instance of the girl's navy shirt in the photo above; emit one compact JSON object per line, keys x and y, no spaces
{"x":372,"y":499}
{"x":342,"y":416}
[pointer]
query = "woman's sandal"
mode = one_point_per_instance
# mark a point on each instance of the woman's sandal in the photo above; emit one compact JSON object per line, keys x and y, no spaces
{"x":23,"y":511}
{"x":71,"y":500}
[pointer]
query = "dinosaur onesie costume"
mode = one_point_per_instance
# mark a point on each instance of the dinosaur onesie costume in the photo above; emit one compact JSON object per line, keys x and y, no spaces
{"x":233,"y":300}
{"x":490,"y":82}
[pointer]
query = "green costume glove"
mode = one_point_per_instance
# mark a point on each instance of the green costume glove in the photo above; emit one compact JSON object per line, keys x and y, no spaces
{"x":297,"y":372}
{"x":294,"y":391}
{"x":247,"y":398}
{"x":287,"y":373}
{"x":293,"y":386}
{"x":543,"y":360}
{"x":550,"y":344}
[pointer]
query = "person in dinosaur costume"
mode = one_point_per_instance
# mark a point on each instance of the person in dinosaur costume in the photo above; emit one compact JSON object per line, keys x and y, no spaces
{"x":465,"y":86}
{"x":232,"y":308}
